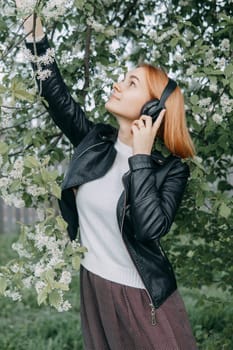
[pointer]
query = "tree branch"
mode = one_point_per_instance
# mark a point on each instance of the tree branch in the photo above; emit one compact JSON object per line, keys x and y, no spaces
{"x":87,"y":61}
{"x":26,"y":121}
{"x":130,"y":10}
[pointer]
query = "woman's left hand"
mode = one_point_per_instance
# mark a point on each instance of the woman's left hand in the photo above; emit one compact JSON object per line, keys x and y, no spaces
{"x":144,"y":133}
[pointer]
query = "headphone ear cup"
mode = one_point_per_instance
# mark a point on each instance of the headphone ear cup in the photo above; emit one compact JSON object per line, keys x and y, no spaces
{"x":152,"y":108}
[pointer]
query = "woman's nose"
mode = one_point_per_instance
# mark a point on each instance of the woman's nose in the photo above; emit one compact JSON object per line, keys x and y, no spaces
{"x":116,"y":86}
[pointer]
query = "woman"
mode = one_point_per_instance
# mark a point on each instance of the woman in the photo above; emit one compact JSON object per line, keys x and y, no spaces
{"x":124,"y":197}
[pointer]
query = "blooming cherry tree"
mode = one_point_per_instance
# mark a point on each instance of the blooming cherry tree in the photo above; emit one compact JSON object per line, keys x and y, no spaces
{"x":93,"y":41}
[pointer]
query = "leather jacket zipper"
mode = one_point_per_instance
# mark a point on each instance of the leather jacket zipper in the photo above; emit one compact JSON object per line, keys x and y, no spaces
{"x":88,"y":148}
{"x":83,"y":152}
{"x":151,"y":304}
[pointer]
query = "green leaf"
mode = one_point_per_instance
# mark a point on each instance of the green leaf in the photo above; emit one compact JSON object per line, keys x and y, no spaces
{"x":194,"y":99}
{"x":55,"y":190}
{"x":76,"y":260}
{"x":27,"y":138}
{"x":24,"y":95}
{"x":2,"y":89}
{"x":61,"y":223}
{"x":81,"y":249}
{"x":61,"y":286}
{"x":3,"y":148}
{"x":55,"y":298}
{"x":49,"y":276}
{"x":47,"y":175}
{"x":42,"y":296}
{"x":224,"y":211}
{"x":228,"y":70}
{"x":31,"y":162}
{"x":3,"y":285}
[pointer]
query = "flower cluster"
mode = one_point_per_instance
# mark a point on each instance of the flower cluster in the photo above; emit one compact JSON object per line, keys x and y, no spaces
{"x":100,"y":28}
{"x":46,"y":257}
{"x":164,"y":36}
{"x":50,"y":10}
{"x":45,"y":59}
{"x":41,"y":61}
{"x":56,"y":8}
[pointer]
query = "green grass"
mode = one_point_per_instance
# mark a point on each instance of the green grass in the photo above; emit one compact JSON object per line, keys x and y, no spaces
{"x":26,"y":326}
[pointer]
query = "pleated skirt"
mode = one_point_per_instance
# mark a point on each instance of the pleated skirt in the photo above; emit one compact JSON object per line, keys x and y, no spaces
{"x":118,"y":317}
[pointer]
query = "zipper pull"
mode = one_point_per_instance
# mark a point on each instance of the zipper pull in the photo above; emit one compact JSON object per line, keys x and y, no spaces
{"x":153,"y":316}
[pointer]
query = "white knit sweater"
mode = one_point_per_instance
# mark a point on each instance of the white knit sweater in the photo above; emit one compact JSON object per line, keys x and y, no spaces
{"x":96,"y":201}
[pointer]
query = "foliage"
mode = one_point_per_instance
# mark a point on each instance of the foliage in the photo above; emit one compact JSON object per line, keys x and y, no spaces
{"x":26,"y":326}
{"x":95,"y":41}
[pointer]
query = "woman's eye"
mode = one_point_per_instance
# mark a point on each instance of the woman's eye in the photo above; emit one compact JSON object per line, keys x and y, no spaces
{"x":132,"y":83}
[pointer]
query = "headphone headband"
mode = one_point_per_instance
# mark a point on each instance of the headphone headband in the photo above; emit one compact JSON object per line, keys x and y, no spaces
{"x":170,"y":87}
{"x":154,"y":106}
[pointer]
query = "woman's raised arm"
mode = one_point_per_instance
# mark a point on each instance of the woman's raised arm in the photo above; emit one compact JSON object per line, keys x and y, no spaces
{"x":66,"y":113}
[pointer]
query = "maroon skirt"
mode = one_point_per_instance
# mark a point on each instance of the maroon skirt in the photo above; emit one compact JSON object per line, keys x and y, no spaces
{"x":118,"y":317}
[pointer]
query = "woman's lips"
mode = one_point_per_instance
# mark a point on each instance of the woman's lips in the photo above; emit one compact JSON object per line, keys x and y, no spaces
{"x":114,"y":96}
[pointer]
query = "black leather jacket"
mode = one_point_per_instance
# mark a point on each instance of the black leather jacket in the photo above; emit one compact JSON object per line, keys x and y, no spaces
{"x":153,"y":186}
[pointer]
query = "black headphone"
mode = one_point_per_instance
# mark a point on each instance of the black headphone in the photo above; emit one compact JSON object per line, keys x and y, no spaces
{"x":155,"y":106}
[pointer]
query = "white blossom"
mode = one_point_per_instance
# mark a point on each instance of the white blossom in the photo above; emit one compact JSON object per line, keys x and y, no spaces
{"x":56,"y":8}
{"x":217,"y":118}
{"x":191,"y":69}
{"x":209,"y":56}
{"x":17,"y":171}
{"x":6,"y":120}
{"x":36,"y":191}
{"x":43,"y":74}
{"x":40,"y":214}
{"x":225,"y":100}
{"x":98,"y":27}
{"x":7,"y":199}
{"x":41,"y":241}
{"x":19,"y":248}
{"x":75,"y":244}
{"x":27,"y":6}
{"x":4,"y":182}
{"x":17,"y":269}
{"x":213,"y":87}
{"x":38,"y":270}
{"x":221,"y":64}
{"x":54,"y":261}
{"x":48,"y":58}
{"x":65,"y":277}
{"x":39,"y":286}
{"x":19,"y":203}
{"x":109,"y":32}
{"x":28,"y":282}
{"x":198,"y":159}
{"x":225,"y":45}
{"x":65,"y":306}
{"x":13,"y":295}
{"x":45,"y":59}
{"x":205,"y":102}
{"x":178,"y":57}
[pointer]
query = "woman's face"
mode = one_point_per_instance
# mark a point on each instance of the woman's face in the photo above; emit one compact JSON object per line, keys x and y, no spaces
{"x":129,"y":95}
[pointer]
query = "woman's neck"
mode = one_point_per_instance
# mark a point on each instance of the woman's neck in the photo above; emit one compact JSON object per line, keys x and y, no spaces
{"x":125,"y":133}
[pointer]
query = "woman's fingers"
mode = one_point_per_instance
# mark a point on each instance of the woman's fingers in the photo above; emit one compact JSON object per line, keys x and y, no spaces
{"x":138,"y":123}
{"x":158,"y":121}
{"x":146,"y":119}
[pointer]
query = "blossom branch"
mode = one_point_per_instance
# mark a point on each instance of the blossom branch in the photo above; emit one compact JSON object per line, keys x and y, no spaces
{"x":87,"y":60}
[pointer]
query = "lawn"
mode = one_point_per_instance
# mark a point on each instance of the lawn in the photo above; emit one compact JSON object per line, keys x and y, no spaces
{"x":26,"y":326}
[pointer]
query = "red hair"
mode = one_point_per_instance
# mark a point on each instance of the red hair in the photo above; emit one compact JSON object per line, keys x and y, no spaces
{"x":173,"y":129}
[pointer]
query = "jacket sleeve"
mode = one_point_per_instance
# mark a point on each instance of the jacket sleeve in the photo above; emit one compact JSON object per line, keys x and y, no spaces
{"x":153,"y":207}
{"x":66,"y":113}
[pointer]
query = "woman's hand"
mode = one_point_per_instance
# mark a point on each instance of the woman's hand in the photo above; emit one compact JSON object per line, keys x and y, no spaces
{"x":144,"y":133}
{"x":29,"y":24}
